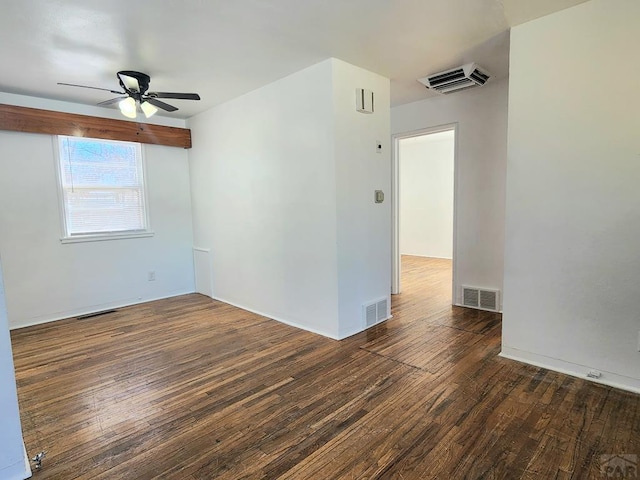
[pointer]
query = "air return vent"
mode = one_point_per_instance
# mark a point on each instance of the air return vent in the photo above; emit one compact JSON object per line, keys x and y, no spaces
{"x":466,"y":76}
{"x":483,"y":299}
{"x":375,"y":312}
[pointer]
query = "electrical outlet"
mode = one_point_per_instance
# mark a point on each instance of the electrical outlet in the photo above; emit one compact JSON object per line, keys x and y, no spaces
{"x":594,"y":374}
{"x":152,"y":276}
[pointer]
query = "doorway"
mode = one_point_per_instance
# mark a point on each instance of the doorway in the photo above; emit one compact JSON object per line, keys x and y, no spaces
{"x":424,"y":202}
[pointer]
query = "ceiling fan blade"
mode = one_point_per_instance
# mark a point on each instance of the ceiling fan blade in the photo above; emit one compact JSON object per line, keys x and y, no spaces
{"x":93,"y":88}
{"x":159,"y":104}
{"x":130,"y":83}
{"x":106,"y":103}
{"x":178,"y":96}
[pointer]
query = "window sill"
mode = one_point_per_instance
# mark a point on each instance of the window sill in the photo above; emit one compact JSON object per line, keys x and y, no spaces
{"x":101,"y":238}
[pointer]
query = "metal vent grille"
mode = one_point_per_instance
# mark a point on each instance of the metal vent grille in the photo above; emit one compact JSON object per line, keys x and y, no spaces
{"x":382,"y":310}
{"x":488,"y":300}
{"x":371,"y":316}
{"x":466,"y":76}
{"x":483,"y":299}
{"x":470,"y":297}
{"x":479,"y":77}
{"x":375,"y":312}
{"x":463,"y":82}
{"x":447,"y":77}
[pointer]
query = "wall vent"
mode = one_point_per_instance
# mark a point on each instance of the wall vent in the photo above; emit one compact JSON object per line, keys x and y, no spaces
{"x":459,"y":78}
{"x":483,"y":299}
{"x":375,"y":312}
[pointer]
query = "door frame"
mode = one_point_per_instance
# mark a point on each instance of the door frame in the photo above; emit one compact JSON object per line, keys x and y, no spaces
{"x":395,"y":203}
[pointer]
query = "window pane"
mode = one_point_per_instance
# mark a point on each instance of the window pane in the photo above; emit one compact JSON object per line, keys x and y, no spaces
{"x":93,"y":211}
{"x":103,"y":188}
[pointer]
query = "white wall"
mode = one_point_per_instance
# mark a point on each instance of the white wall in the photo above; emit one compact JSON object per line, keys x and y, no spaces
{"x":426,"y":195}
{"x":573,"y":208}
{"x":264,"y":199}
{"x":363,"y":227}
{"x":282,"y":184}
{"x":12,"y":461}
{"x":46,"y":280}
{"x":481,"y":115}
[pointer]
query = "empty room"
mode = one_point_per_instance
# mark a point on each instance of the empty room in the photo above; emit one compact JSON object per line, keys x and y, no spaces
{"x":319,"y":240}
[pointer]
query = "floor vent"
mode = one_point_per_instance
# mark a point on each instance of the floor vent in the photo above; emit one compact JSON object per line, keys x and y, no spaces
{"x":375,"y":312}
{"x":483,"y":299}
{"x":94,"y":314}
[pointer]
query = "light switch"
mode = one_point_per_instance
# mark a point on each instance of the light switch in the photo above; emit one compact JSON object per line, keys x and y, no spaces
{"x":379,"y":196}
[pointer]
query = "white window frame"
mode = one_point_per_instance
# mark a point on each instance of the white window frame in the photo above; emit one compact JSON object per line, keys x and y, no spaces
{"x":115,"y":235}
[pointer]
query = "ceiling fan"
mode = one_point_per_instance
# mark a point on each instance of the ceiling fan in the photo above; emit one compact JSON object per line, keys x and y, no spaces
{"x":136,"y":86}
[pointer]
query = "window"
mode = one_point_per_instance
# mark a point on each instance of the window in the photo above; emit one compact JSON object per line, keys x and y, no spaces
{"x":101,"y":189}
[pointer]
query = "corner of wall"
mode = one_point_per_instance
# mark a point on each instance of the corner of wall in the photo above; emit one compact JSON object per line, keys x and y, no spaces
{"x":363,"y":226}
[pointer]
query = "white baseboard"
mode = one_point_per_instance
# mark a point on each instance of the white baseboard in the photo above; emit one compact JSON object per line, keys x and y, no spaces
{"x":575,"y":370}
{"x":27,"y":463}
{"x":92,"y":309}
{"x":350,"y":333}
{"x":281,"y":320}
{"x":457,"y":304}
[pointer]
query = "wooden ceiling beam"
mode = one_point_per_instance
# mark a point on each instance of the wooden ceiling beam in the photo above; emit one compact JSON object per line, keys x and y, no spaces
{"x":33,"y":120}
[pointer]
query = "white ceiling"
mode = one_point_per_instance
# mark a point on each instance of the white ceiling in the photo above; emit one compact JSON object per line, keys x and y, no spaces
{"x":224,"y":48}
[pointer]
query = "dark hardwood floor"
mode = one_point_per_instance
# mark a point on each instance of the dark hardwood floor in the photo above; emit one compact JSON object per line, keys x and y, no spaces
{"x":191,"y":388}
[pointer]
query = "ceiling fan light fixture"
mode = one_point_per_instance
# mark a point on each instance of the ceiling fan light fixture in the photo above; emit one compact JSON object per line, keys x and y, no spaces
{"x":148,"y":109}
{"x":135,"y":91}
{"x":128,"y":107}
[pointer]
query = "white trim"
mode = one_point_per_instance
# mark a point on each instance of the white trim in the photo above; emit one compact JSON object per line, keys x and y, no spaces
{"x":27,"y":463}
{"x":395,"y":204}
{"x":64,"y":315}
{"x":142,"y":167}
{"x":462,"y":305}
{"x":281,"y":320}
{"x":209,"y":268}
{"x":573,"y":369}
{"x":106,"y":236}
{"x":396,"y":264}
{"x":56,"y":166}
{"x":355,"y":331}
{"x":145,"y":186}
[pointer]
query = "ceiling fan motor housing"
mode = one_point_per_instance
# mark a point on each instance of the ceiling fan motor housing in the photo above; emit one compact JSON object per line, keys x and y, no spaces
{"x":141,"y":79}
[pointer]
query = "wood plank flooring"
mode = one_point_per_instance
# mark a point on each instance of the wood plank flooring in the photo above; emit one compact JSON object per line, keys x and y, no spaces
{"x":191,"y":388}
